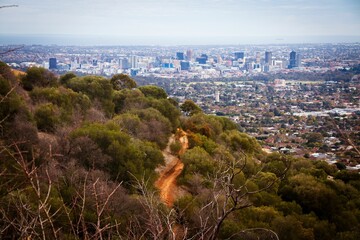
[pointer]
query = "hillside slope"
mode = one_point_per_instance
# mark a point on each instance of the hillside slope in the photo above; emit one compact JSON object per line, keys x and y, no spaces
{"x":79,"y":159}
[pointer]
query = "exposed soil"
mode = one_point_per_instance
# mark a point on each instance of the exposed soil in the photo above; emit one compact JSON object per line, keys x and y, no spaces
{"x":168,"y":174}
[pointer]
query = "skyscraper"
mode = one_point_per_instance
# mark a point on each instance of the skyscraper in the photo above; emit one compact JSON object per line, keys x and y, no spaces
{"x":124,"y":63}
{"x":52,"y":63}
{"x":202,"y":59}
{"x":257,"y":57}
{"x":298,"y":60}
{"x":180,"y":56}
{"x":134,"y":61}
{"x":189,"y":55}
{"x":268,"y":58}
{"x":239,"y":55}
{"x":185,"y":65}
{"x":292,"y":60}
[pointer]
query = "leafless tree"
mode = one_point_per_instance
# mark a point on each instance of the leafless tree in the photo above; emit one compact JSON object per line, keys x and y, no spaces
{"x":226,"y":196}
{"x":157,"y":222}
{"x":31,"y":217}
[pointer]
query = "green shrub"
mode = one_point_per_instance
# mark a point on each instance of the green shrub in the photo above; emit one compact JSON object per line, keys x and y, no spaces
{"x":46,"y":117}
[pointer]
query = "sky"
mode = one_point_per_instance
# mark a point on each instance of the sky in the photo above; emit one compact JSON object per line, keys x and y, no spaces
{"x":182,"y":21}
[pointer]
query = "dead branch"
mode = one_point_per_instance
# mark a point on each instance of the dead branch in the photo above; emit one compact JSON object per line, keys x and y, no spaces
{"x":8,"y":6}
{"x":12,"y":49}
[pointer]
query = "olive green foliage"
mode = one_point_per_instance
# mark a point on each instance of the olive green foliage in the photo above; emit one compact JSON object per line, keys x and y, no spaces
{"x":314,"y":139}
{"x":38,"y":77}
{"x":128,"y":157}
{"x":6,"y":73}
{"x":128,"y":99}
{"x":66,"y":77}
{"x":66,"y":100}
{"x":155,"y":128}
{"x":175,"y":147}
{"x":10,"y":103}
{"x":197,"y":160}
{"x":62,"y":162}
{"x":209,"y":126}
{"x":96,"y":88}
{"x":146,"y":124}
{"x":16,"y":124}
{"x":240,"y":142}
{"x":190,"y":108}
{"x":47,"y":117}
{"x":122,"y":81}
{"x":153,"y":91}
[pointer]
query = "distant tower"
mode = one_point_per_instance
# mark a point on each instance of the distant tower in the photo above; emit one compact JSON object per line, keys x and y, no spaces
{"x":268,"y":61}
{"x":239,"y":55}
{"x":124,"y":63}
{"x":189,"y":55}
{"x":202,"y":59}
{"x":180,"y":56}
{"x":217,"y":96}
{"x":292,"y":61}
{"x":268,"y":58}
{"x":52,"y":63}
{"x":134,"y":61}
{"x":298,"y":60}
{"x":258,"y":57}
{"x":185,"y":65}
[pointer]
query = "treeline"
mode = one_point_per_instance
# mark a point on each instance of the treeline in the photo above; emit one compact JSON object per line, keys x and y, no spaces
{"x":78,"y":158}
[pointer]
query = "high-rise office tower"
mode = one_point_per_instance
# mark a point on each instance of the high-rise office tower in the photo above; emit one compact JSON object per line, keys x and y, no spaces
{"x":52,"y":63}
{"x":298,"y":60}
{"x":189,"y":55}
{"x":134,"y":61}
{"x":180,"y":56}
{"x":292,"y":60}
{"x":202,"y":59}
{"x":268,"y":58}
{"x":124,"y":63}
{"x":257,"y":57}
{"x":185,"y":65}
{"x":239,"y":55}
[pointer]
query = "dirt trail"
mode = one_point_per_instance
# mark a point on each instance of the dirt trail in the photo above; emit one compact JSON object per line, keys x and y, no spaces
{"x":168,"y":174}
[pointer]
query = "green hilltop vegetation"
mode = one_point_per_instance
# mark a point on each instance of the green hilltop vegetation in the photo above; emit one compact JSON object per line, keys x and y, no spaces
{"x":78,"y":158}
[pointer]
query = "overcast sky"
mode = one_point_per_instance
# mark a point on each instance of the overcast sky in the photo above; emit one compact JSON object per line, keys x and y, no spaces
{"x":191,"y":20}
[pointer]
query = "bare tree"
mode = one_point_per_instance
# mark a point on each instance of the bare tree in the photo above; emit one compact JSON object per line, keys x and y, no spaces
{"x":31,"y":217}
{"x":157,"y":222}
{"x":226,"y":196}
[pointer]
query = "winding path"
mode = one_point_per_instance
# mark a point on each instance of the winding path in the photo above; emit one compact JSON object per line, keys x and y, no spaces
{"x":168,"y":174}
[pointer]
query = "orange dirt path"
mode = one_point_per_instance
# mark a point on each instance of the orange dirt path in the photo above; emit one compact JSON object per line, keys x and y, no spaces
{"x":167,"y":180}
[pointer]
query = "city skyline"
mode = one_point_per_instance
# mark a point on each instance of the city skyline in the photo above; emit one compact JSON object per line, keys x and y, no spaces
{"x":180,"y":21}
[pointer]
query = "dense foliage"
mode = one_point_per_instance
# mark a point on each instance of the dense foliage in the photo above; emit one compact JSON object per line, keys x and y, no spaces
{"x":78,"y":158}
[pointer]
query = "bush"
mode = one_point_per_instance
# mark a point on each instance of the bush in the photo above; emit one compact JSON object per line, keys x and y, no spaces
{"x":46,"y":117}
{"x":153,"y":91}
{"x":175,"y":147}
{"x":38,"y":77}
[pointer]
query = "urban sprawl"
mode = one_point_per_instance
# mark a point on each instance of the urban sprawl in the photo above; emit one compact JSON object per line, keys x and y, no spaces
{"x":296,"y":99}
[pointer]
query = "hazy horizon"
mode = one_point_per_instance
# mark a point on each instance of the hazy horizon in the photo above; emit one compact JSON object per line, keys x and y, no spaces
{"x":179,"y":22}
{"x":93,"y":40}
